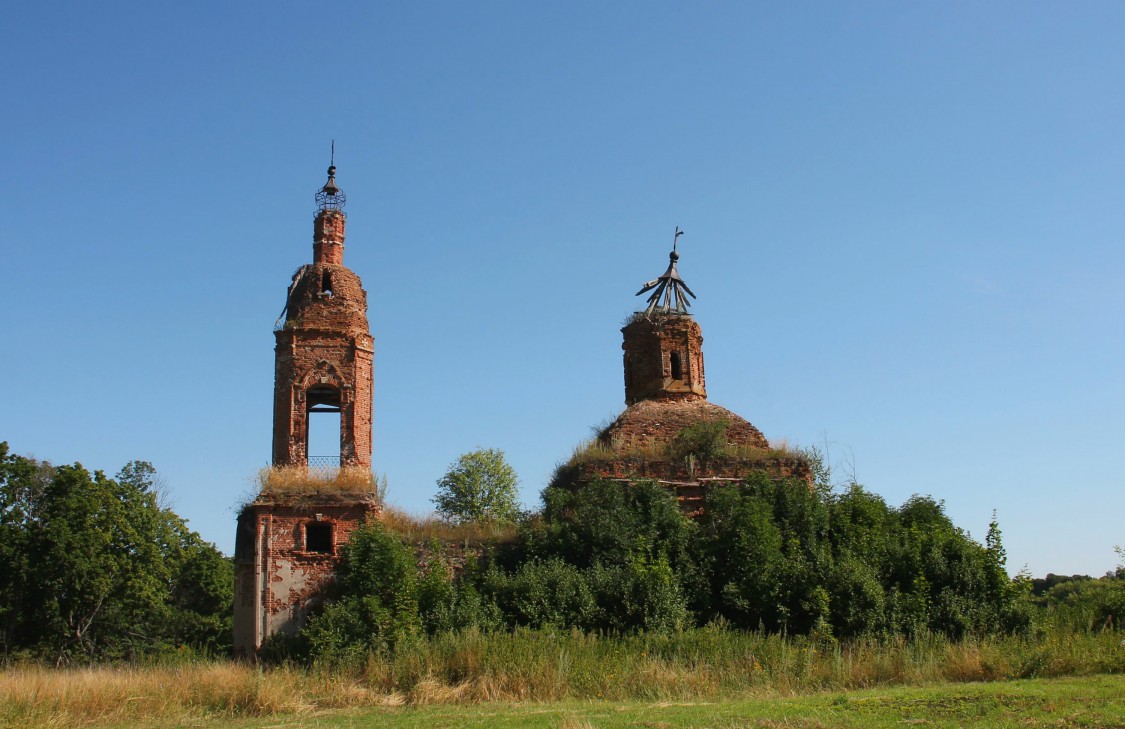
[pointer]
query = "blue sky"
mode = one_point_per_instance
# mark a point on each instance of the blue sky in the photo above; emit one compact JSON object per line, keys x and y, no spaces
{"x":904,"y":223}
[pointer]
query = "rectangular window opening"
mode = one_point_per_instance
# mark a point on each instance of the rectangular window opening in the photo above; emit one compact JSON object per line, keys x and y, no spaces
{"x":677,"y":367}
{"x":318,"y":537}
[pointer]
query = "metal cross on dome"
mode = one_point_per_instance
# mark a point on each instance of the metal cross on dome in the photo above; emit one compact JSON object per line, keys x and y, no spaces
{"x":669,"y":287}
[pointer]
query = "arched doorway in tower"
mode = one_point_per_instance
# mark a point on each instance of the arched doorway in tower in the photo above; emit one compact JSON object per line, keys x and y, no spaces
{"x":323,"y":423}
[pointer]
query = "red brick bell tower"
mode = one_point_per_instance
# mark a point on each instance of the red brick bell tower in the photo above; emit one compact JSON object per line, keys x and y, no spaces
{"x":288,"y":539}
{"x":324,"y":349}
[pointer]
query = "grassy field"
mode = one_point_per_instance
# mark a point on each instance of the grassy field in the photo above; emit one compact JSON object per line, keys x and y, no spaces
{"x":706,"y":677}
{"x":1096,"y":701}
{"x":1073,"y":702}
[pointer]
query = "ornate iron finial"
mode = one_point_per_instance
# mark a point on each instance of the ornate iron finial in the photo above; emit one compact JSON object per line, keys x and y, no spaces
{"x":669,"y":287}
{"x":331,"y":197}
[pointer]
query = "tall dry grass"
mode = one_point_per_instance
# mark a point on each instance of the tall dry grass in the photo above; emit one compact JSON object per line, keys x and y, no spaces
{"x":525,"y":665}
{"x":32,"y":695}
{"x":712,"y":662}
{"x":296,"y":480}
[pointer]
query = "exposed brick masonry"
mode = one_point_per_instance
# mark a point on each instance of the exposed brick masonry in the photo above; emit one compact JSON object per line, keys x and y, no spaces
{"x":663,"y":357}
{"x":328,"y":238}
{"x":324,"y":345}
{"x":660,"y":420}
{"x":287,"y":544}
{"x":278,"y":578}
{"x":665,"y":390}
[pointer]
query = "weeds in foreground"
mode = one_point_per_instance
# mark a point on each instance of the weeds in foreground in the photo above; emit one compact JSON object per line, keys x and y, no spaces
{"x":707,"y":663}
{"x":33,"y":695}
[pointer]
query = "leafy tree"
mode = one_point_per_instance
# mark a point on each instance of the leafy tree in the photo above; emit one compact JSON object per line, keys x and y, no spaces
{"x":479,"y":486}
{"x":201,"y":595}
{"x":90,"y":567}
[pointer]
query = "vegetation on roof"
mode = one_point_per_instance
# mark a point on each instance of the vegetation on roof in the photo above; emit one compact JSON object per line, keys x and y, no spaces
{"x":305,"y":480}
{"x":705,"y":440}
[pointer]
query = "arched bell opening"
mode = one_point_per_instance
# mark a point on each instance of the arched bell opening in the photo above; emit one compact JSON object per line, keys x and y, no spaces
{"x":323,"y":437}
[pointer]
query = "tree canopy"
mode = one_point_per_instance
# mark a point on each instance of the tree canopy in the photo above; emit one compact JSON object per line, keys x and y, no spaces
{"x":92,"y":567}
{"x":610,"y":556}
{"x":479,"y":486}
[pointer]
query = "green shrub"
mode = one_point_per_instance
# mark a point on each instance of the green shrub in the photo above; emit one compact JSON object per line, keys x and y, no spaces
{"x":542,"y":593}
{"x":377,"y":601}
{"x":448,"y":605}
{"x":641,"y":595}
{"x":704,"y":440}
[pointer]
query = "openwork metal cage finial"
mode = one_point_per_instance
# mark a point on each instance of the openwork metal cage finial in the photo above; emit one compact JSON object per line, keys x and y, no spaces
{"x":331,"y":197}
{"x":669,"y":295}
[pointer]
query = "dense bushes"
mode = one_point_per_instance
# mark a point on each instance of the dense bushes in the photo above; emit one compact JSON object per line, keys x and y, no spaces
{"x":787,"y":558}
{"x":1079,"y":603}
{"x":622,"y":558}
{"x":93,"y":567}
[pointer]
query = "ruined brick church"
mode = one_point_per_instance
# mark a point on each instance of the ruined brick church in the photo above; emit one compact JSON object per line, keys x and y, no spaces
{"x":666,"y":395}
{"x":288,"y":538}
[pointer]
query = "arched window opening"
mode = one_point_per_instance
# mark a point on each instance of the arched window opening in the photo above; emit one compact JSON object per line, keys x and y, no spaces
{"x":318,"y":537}
{"x":677,"y":367}
{"x":326,"y":284}
{"x":324,"y":437}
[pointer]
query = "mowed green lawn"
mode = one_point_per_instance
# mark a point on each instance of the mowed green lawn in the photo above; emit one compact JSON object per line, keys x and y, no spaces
{"x":1093,"y":701}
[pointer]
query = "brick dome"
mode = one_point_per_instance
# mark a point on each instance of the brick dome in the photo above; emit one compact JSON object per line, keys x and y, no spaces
{"x":657,"y":421}
{"x":326,"y":295}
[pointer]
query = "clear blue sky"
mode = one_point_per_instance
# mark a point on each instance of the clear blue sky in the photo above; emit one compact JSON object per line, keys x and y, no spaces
{"x":904,"y":224}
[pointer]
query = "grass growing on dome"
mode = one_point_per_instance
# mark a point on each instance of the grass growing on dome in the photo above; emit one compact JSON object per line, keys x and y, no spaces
{"x":597,"y":451}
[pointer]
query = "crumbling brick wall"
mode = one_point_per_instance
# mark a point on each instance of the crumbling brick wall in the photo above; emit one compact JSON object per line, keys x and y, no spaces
{"x":278,"y":577}
{"x":663,"y":356}
{"x":689,"y":479}
{"x":325,"y":342}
